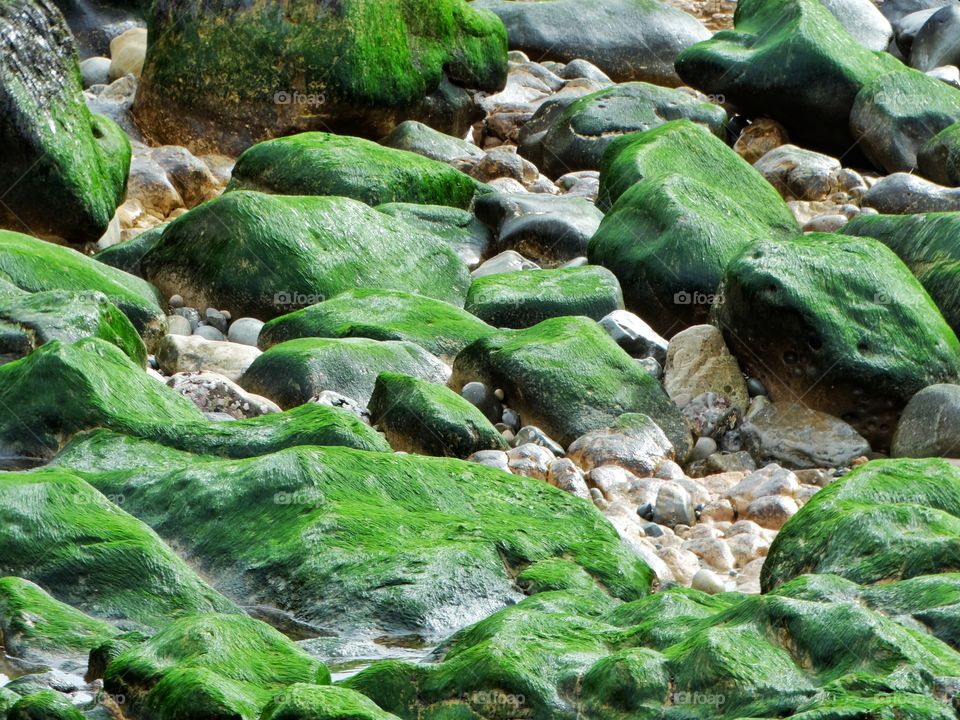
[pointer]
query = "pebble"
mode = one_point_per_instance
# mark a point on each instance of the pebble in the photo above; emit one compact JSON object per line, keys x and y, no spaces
{"x":245,"y":331}
{"x":704,"y":448}
{"x":484,"y":399}
{"x":209,"y":332}
{"x":533,"y":434}
{"x":178,"y":325}
{"x":491,"y":458}
{"x":176,"y":301}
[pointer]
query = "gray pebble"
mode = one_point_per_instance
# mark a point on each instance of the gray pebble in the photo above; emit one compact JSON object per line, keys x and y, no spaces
{"x":208,"y":332}
{"x":245,"y":331}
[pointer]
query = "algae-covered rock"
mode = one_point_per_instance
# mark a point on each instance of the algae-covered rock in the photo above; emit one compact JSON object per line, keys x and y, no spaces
{"x":568,"y":377}
{"x":64,"y":170}
{"x":210,"y":666}
{"x":573,"y":138}
{"x":436,"y":326}
{"x":791,"y":60}
{"x":28,"y":320}
{"x":838,"y":323}
{"x":264,"y":255}
{"x":887,"y":520}
{"x":321,"y":702}
{"x":929,"y":244}
{"x":627,"y":39}
{"x":319,"y":163}
{"x":366,"y":542}
{"x":295,"y":371}
{"x":37,"y":266}
{"x":221,"y":78}
{"x":682,"y":206}
{"x":44,"y":705}
{"x":59,"y":532}
{"x":127,"y":255}
{"x":522,"y":299}
{"x":33,"y":622}
{"x":430,"y":419}
{"x":570,"y":652}
{"x":61,"y":390}
{"x":460,"y":229}
{"x":897,"y":113}
{"x":939,"y":157}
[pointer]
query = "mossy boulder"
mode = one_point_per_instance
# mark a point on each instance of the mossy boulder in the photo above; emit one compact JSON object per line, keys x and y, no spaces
{"x":33,"y":622}
{"x":263,"y":255}
{"x":627,"y":39}
{"x":127,"y":255}
{"x":61,"y":390}
{"x":219,"y":78}
{"x":523,"y":299}
{"x":681,"y":205}
{"x":791,"y":60}
{"x":28,"y":320}
{"x":44,"y":705}
{"x":570,"y":652}
{"x":295,"y":371}
{"x":839,"y":323}
{"x":897,"y":113}
{"x":215,"y":667}
{"x":460,"y":229}
{"x":436,"y":326}
{"x":64,"y":169}
{"x":62,"y":534}
{"x":929,"y":244}
{"x":37,"y":266}
{"x":885,"y":521}
{"x":367,"y":542}
{"x":429,"y":419}
{"x":568,"y":377}
{"x":939,"y":157}
{"x":573,"y":137}
{"x":321,"y":702}
{"x":319,"y":163}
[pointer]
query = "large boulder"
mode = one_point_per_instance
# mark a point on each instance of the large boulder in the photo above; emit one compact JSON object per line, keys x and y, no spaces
{"x":682,"y":206}
{"x":929,"y":244}
{"x":367,"y":543}
{"x":64,"y":170}
{"x":37,"y":266}
{"x":59,"y":532}
{"x":61,"y":390}
{"x":839,"y":324}
{"x":318,"y":163}
{"x":863,"y":21}
{"x":571,"y":136}
{"x":791,"y":60}
{"x":525,"y":298}
{"x":569,"y":651}
{"x":895,"y":114}
{"x":627,"y":39}
{"x":221,"y":78}
{"x":209,"y":666}
{"x":265,"y":255}
{"x":295,"y":371}
{"x":568,"y":377}
{"x":885,"y":521}
{"x":930,"y":424}
{"x":28,"y":320}
{"x":430,"y":419}
{"x":939,"y":157}
{"x":436,"y":326}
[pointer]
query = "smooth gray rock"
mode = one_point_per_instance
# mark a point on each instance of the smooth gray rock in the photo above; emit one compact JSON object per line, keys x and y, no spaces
{"x":635,"y":336}
{"x":902,"y":193}
{"x":95,"y":71}
{"x":627,"y":39}
{"x":419,"y":138}
{"x":673,"y":506}
{"x":938,"y":41}
{"x":548,"y":229}
{"x":863,"y":21}
{"x":507,"y":261}
{"x":799,"y":438}
{"x":930,"y":424}
{"x":245,"y":331}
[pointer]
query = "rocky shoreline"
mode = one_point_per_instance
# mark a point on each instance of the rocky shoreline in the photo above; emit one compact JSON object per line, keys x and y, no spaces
{"x":454,"y":360}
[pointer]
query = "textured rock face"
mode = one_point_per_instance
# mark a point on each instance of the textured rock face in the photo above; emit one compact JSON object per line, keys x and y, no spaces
{"x":856,"y":335}
{"x":55,"y":153}
{"x":221,"y":78}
